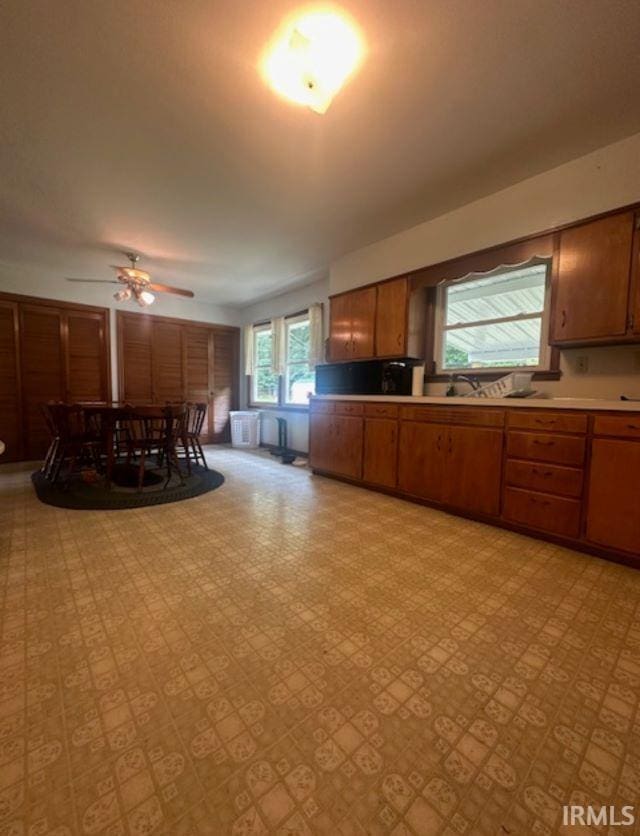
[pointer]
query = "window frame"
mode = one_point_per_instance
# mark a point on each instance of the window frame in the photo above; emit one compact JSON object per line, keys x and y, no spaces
{"x":289,"y":321}
{"x":281,"y":404}
{"x":257,"y":329}
{"x":548,"y":361}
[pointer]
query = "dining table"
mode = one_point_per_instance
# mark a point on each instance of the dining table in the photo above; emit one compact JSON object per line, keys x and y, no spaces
{"x":111,"y":416}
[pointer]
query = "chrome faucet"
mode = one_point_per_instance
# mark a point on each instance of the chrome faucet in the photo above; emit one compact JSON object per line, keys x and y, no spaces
{"x":472,"y":381}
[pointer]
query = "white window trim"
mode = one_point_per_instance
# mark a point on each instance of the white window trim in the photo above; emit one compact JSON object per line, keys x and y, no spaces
{"x":289,"y":321}
{"x":440,"y":319}
{"x":254,"y":377}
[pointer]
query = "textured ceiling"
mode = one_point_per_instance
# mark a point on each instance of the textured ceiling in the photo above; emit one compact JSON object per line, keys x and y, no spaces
{"x":144,"y":124}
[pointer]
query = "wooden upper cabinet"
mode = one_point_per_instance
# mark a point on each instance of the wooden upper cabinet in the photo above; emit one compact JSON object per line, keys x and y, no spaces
{"x":363,"y":321}
{"x":613,"y":520}
{"x":9,"y":375}
{"x":635,"y":279}
{"x":592,"y":281}
{"x":340,"y":328}
{"x":392,"y":318}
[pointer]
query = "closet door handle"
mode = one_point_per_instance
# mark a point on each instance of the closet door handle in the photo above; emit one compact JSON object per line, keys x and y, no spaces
{"x":563,"y":319}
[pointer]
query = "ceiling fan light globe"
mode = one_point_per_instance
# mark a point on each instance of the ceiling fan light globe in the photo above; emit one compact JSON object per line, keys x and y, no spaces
{"x":122,"y":295}
{"x":145,"y":298}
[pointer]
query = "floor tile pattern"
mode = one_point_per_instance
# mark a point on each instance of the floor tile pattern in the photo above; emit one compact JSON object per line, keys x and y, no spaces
{"x":292,"y":655}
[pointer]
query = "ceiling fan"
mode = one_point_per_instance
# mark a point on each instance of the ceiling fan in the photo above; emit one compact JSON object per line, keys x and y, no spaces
{"x":137,"y":284}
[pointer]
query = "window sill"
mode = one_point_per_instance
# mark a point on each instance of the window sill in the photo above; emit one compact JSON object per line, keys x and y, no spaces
{"x":273,"y":407}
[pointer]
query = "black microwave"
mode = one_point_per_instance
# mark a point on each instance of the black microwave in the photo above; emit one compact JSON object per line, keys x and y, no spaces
{"x":366,"y":377}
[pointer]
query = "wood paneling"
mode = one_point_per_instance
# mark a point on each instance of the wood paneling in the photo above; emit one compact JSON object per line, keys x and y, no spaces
{"x":392,"y":318}
{"x":10,"y":420}
{"x":380,"y":451}
{"x":591,"y":285}
{"x":613,"y":519}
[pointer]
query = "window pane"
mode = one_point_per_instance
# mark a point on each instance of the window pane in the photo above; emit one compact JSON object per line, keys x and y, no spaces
{"x":265,"y":388}
{"x":301,"y":382}
{"x":518,"y":291}
{"x":298,"y":341}
{"x":488,"y":346}
{"x":263,"y":348}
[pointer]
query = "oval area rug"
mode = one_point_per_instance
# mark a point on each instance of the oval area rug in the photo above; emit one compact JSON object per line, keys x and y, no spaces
{"x":82,"y":495}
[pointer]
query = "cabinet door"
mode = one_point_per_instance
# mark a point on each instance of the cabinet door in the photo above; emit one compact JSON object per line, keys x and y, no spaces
{"x":340,"y":328}
{"x":86,"y":356}
{"x":10,"y":421}
{"x":380,"y":451}
{"x":363,"y":320}
{"x":135,"y":358}
{"x":614,"y":495}
{"x":591,"y":290}
{"x":391,"y":318}
{"x":225,"y":375}
{"x":474,"y":469}
{"x":321,"y":441}
{"x":168,"y":378}
{"x":421,"y":459}
{"x":43,"y":374}
{"x":346,"y":456}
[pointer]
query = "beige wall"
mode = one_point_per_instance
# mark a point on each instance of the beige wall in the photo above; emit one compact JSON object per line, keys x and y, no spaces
{"x":602,"y":180}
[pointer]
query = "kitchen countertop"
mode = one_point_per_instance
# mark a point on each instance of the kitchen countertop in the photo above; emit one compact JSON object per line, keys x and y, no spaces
{"x":526,"y":403}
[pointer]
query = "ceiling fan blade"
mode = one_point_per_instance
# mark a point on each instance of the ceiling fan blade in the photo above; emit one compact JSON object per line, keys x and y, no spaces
{"x":165,"y":288}
{"x":93,"y":281}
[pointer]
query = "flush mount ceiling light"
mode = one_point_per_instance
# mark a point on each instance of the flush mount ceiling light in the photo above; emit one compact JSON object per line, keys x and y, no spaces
{"x":312,"y":56}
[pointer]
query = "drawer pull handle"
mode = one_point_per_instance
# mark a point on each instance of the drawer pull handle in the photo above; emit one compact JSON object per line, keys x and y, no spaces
{"x":544,"y":443}
{"x":549,"y":423}
{"x":633,"y":427}
{"x":544,"y":473}
{"x":543,"y":502}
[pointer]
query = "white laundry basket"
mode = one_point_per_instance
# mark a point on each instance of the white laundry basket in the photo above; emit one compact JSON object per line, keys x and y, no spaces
{"x":245,"y":429}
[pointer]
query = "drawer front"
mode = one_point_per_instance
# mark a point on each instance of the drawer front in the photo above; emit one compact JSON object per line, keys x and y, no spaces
{"x":475,"y":416}
{"x":544,"y":447}
{"x":554,"y":514}
{"x":380,"y":410}
{"x":540,"y":476}
{"x":625,"y":426}
{"x":546,"y":421}
{"x":322,"y":406}
{"x":347,"y":408}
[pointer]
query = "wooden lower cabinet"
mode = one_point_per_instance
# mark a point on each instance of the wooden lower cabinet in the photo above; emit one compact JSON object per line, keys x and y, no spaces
{"x":473,"y":469}
{"x":336,"y":444}
{"x":543,"y":488}
{"x":421,"y":460}
{"x":613,"y":508}
{"x":380,"y":454}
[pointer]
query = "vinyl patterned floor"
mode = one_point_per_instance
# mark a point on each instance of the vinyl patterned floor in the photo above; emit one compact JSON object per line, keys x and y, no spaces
{"x":291,"y":655}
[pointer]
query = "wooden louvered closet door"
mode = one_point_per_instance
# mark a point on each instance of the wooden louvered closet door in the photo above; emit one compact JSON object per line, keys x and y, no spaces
{"x":87,"y":366}
{"x":168,"y":374}
{"x":198,"y":369}
{"x":43,"y":372}
{"x":10,"y":420}
{"x":135,"y":358}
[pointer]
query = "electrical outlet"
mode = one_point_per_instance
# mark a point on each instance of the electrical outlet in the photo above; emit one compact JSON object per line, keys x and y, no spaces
{"x":582,"y":364}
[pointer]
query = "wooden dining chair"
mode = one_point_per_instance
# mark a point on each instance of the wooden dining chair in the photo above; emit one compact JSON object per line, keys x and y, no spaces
{"x":189,"y":446}
{"x":74,"y":444}
{"x":153,"y":431}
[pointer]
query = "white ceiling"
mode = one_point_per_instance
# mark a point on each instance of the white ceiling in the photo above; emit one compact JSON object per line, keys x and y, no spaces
{"x":144,"y":124}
